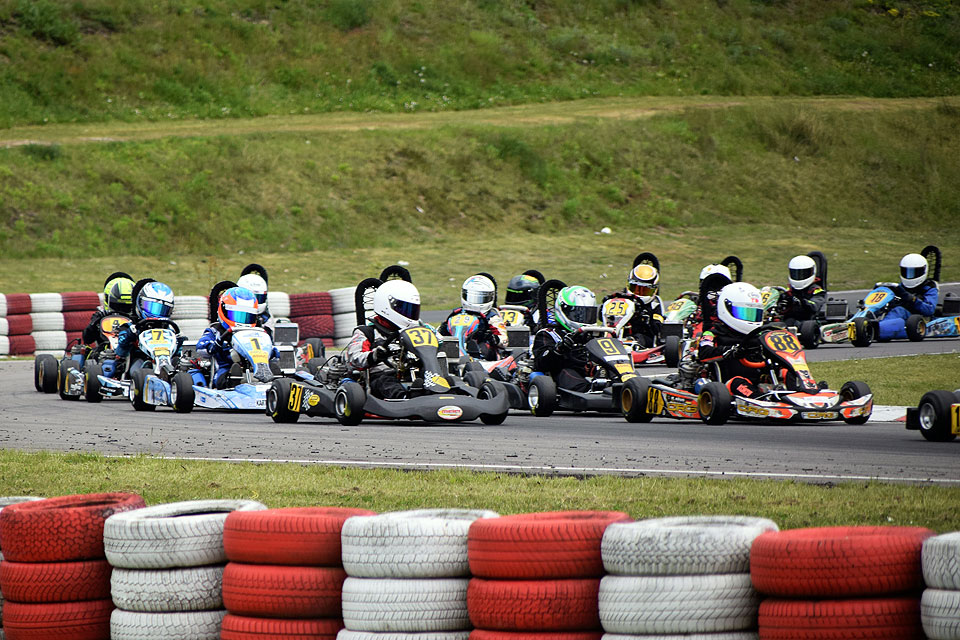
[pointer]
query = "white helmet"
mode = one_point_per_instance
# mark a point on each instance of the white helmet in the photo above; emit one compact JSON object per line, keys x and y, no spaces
{"x":740,"y":307}
{"x":575,"y":307}
{"x":644,"y":282}
{"x":477,"y":294}
{"x":715,"y":268}
{"x":397,"y":304}
{"x":258,"y":286}
{"x":802,"y":272}
{"x":913,"y":270}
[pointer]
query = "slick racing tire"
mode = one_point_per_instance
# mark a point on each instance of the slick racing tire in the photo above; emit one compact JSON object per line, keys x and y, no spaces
{"x":45,"y":373}
{"x":408,"y":604}
{"x":895,"y":618}
{"x":302,"y":536}
{"x":864,"y":332}
{"x":62,"y":529}
{"x":277,"y":403}
{"x":423,"y":543}
{"x":534,"y":605}
{"x":182,"y":393}
{"x":63,"y":378}
{"x":180,"y":534}
{"x":249,"y":628}
{"x":138,"y":382}
{"x":940,"y":614}
{"x":682,"y":545}
{"x":829,"y":562}
{"x":282,"y":591}
{"x":542,"y":396}
{"x":633,"y":400}
{"x":138,"y":625}
{"x":810,"y":334}
{"x":934,"y":416}
{"x":645,"y":605}
{"x":348,"y":404}
{"x":916,"y":328}
{"x":167,"y":590}
{"x":713,"y":402}
{"x":851,"y":391}
{"x":40,"y":582}
{"x":491,"y":389}
{"x":91,"y":384}
{"x":671,"y":351}
{"x":540,"y":546}
{"x":941,"y":561}
{"x":86,"y":620}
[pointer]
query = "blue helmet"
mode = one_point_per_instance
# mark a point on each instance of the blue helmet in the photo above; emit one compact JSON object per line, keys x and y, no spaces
{"x":155,"y":301}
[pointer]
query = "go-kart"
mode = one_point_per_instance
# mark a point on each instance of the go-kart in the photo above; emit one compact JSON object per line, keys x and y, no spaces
{"x":937,"y":417}
{"x":774,"y":308}
{"x":616,"y":313}
{"x":788,"y":391}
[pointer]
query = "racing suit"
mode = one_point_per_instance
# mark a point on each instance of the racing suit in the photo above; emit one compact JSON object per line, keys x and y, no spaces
{"x":726,"y":347}
{"x":216,"y":342}
{"x":565,"y":362}
{"x":484,"y":342}
{"x":921,"y":299}
{"x":128,"y":342}
{"x":803,"y":304}
{"x":364,"y":353}
{"x":644,"y":326}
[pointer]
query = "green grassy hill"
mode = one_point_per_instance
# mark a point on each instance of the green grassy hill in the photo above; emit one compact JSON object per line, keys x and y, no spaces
{"x":99,"y":60}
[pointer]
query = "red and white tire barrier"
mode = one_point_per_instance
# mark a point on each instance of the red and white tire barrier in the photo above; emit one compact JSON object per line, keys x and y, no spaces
{"x":31,"y":322}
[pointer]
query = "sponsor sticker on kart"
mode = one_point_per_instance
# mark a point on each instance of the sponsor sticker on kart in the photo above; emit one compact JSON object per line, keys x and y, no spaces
{"x":313,"y":399}
{"x":819,"y":415}
{"x":449,"y":412}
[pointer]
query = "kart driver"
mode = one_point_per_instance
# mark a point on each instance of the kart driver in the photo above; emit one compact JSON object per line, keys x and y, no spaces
{"x":917,"y":294}
{"x":257,"y":285}
{"x":396,"y":306}
{"x":643,"y":283}
{"x":117,"y":292}
{"x":805,"y":297}
{"x":476,"y":298}
{"x":558,"y":348}
{"x":154,"y":304}
{"x":726,"y":342}
{"x":522,"y":291}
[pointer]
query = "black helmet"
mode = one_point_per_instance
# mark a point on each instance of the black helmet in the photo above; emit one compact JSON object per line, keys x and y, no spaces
{"x":522,"y":291}
{"x":120,"y":296}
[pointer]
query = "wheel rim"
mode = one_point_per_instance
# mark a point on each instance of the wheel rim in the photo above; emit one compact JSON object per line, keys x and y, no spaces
{"x":340,"y":403}
{"x":272,"y":400}
{"x":928,"y":416}
{"x":173,"y":394}
{"x":706,"y":403}
{"x":626,"y":400}
{"x":533,"y":397}
{"x":921,"y":328}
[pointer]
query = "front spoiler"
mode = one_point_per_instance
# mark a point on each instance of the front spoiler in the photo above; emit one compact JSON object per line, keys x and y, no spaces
{"x":243,"y":397}
{"x":437,"y":408}
{"x":112,"y":388}
{"x":605,"y":401}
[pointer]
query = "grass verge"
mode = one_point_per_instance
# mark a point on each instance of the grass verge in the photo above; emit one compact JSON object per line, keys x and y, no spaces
{"x":900,"y":381}
{"x":790,"y":504}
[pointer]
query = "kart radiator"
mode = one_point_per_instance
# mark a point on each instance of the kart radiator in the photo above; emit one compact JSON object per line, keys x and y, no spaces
{"x":286,"y":333}
{"x":836,"y":310}
{"x":951,"y":305}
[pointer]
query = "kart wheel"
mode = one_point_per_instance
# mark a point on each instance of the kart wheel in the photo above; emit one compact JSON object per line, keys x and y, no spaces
{"x":809,"y":334}
{"x":91,"y":385}
{"x":934,"y":410}
{"x":714,"y":403}
{"x":863,"y":332}
{"x":473,"y":366}
{"x":542,"y":396}
{"x":63,"y":378}
{"x":671,"y":351}
{"x":138,"y":382}
{"x":851,"y":391}
{"x":314,"y":349}
{"x":182,"y":394}
{"x":278,"y":399}
{"x":916,"y":327}
{"x":314,"y":364}
{"x":491,"y":389}
{"x":45,"y":373}
{"x":633,"y":400}
{"x":474,"y":378}
{"x":348,"y":404}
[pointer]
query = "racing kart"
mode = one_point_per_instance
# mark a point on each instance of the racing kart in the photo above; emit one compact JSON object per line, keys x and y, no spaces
{"x":788,"y":391}
{"x":616,"y":314}
{"x":937,"y":417}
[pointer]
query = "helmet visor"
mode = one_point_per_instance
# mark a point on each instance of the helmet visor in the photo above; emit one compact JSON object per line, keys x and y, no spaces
{"x":581,"y":315}
{"x":800,"y":274}
{"x":156,"y":308}
{"x":645,"y":290}
{"x":524,"y":298}
{"x":405,"y":308}
{"x":747,"y":314}
{"x":911,"y":273}
{"x":477,"y":297}
{"x":261,"y":298}
{"x":239,"y":317}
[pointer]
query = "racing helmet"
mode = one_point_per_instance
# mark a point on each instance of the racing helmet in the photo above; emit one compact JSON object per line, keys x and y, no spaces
{"x":396,"y":304}
{"x":715,"y":268}
{"x":644,"y":282}
{"x":237,"y":308}
{"x":740,"y":307}
{"x":802,"y":271}
{"x":155,"y":301}
{"x":258,"y":286}
{"x":575,"y":307}
{"x":477,"y":294}
{"x":913,"y":270}
{"x":522,"y":290}
{"x":118,"y":296}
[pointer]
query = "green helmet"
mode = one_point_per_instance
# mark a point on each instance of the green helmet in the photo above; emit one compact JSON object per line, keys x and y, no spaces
{"x":522,"y":290}
{"x":575,"y":307}
{"x":118,"y":296}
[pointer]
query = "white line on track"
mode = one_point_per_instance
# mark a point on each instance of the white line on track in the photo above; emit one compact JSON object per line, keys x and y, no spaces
{"x":534,"y":469}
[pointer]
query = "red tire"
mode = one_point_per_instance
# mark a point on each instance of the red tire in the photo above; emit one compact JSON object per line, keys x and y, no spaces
{"x":863,"y":619}
{"x":246,"y":628}
{"x":76,"y":320}
{"x":534,"y":605}
{"x":561,"y":544}
{"x":55,"y":581}
{"x":275,"y":591}
{"x":61,"y":529}
{"x":80,"y":301}
{"x":483,"y":634}
{"x":307,"y":536}
{"x":74,"y":620}
{"x":311,"y":304}
{"x":22,"y":345}
{"x":838,"y":561}
{"x":20,"y":325}
{"x":18,"y":303}
{"x":319,"y":326}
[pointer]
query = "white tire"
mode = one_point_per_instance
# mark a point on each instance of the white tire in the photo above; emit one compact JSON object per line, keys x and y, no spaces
{"x":941,"y":561}
{"x":192,"y":328}
{"x":342,"y":300}
{"x":278,"y":303}
{"x":49,"y":340}
{"x":940,"y":614}
{"x":3,"y":306}
{"x":4,"y":346}
{"x":425,"y":543}
{"x":168,"y":590}
{"x":189,"y":308}
{"x":344,"y":324}
{"x":411,"y":605}
{"x":180,"y":534}
{"x":45,"y":302}
{"x":189,"y":625}
{"x":346,"y":634}
{"x":46,"y":321}
{"x":686,"y":545}
{"x":4,"y":326}
{"x":678,"y":604}
{"x":732,"y":635}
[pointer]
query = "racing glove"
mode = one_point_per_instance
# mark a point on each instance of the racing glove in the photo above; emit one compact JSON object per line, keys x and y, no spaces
{"x":568,"y":342}
{"x":378,"y":354}
{"x":732,"y":353}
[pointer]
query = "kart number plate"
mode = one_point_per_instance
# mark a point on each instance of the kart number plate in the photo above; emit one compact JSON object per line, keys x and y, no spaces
{"x":955,"y":419}
{"x":258,"y":356}
{"x":615,"y":307}
{"x":676,"y":305}
{"x":421,"y":337}
{"x":511,"y":317}
{"x":782,"y":341}
{"x":296,"y":398}
{"x":161,"y":351}
{"x":654,"y":401}
{"x":461,"y":320}
{"x":875,"y":298}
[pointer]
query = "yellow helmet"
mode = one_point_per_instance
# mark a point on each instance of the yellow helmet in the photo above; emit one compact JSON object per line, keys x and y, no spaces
{"x":118,"y":296}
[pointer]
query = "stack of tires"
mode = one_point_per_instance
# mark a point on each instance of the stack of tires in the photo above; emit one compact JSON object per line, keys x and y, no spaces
{"x":54,"y":577}
{"x":6,"y":501}
{"x":168,"y":569}
{"x":537,"y":572}
{"x":313,"y":312}
{"x":682,"y":575}
{"x":839,"y":583}
{"x":940,"y":604}
{"x":409,"y":573}
{"x":284,"y":577}
{"x":31,"y":322}
{"x":344,"y":314}
{"x":190,"y":314}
